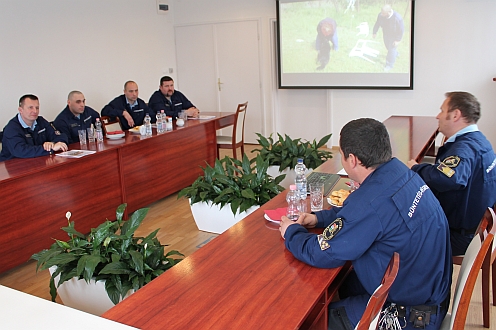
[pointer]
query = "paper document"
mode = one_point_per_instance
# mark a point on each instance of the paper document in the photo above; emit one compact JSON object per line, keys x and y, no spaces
{"x":202,"y":117}
{"x":76,"y":153}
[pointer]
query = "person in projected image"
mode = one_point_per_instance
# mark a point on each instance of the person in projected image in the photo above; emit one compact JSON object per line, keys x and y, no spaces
{"x":392,"y":211}
{"x":392,"y":32}
{"x":326,"y":33}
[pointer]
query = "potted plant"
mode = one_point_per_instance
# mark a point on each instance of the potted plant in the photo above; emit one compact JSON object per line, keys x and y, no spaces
{"x":284,"y":152}
{"x":229,"y":191}
{"x":109,"y":255}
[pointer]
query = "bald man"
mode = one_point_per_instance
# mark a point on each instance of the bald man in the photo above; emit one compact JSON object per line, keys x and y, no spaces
{"x":75,"y":116}
{"x":128,"y":107}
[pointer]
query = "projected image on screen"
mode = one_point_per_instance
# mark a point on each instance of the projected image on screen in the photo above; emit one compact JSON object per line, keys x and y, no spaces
{"x":345,"y":43}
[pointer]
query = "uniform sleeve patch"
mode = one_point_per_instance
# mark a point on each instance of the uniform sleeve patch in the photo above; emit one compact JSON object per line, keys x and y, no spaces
{"x":446,"y":170}
{"x":451,"y":161}
{"x":329,"y":233}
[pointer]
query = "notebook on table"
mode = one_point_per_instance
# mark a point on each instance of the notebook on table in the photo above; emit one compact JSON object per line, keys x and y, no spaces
{"x":329,"y":180}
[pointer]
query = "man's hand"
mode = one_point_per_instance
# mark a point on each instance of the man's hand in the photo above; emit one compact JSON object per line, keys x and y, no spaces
{"x":284,"y":224}
{"x":130,"y":120}
{"x":60,"y":146}
{"x":48,"y":146}
{"x":306,"y":219}
{"x":411,"y":162}
{"x":193,"y":112}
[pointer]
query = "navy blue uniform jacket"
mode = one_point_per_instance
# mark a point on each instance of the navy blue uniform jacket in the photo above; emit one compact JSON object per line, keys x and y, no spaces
{"x":178,"y":102}
{"x":69,"y":124}
{"x":392,"y":211}
{"x":471,"y":188}
{"x":20,"y":142}
{"x":117,"y":106}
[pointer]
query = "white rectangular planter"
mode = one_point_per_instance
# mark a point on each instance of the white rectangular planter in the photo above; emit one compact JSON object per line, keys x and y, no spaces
{"x":87,"y":297}
{"x":213,"y":219}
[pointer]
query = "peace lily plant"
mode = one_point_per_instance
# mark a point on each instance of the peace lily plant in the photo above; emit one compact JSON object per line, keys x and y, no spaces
{"x":109,"y":253}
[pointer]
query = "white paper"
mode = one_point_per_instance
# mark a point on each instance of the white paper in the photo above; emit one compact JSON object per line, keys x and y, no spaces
{"x":202,"y":117}
{"x":76,"y":153}
{"x":342,"y":172}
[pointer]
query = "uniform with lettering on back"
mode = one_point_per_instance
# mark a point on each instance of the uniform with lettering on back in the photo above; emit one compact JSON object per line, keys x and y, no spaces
{"x":392,"y":211}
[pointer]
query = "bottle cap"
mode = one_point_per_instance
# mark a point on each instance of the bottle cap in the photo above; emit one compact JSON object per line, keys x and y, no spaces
{"x":292,"y":187}
{"x":300,"y":160}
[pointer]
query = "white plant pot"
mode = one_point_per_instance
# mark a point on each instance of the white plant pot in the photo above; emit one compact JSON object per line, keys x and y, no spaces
{"x":214,"y":219}
{"x":273,"y":171}
{"x":87,"y":297}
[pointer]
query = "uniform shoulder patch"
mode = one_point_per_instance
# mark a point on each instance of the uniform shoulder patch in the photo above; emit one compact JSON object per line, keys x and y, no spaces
{"x":329,"y":232}
{"x":446,"y":170}
{"x":451,"y":161}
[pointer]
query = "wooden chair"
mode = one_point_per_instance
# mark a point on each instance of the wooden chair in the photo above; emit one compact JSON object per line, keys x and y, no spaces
{"x":237,"y":139}
{"x":110,"y":124}
{"x":370,"y":317}
{"x":475,"y":256}
{"x":485,"y":225}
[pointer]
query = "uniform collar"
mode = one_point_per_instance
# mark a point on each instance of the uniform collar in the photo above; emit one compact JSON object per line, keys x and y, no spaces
{"x":465,"y":130}
{"x":132,"y":105}
{"x":23,"y":123}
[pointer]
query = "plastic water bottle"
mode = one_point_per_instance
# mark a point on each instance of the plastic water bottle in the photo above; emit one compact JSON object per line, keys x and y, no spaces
{"x":164,"y":120}
{"x":98,"y":130}
{"x":301,"y":179}
{"x":159,"y":122}
{"x":293,"y":199}
{"x":148,"y":125}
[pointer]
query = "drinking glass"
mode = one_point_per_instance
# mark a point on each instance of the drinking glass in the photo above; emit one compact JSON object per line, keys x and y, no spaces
{"x":91,"y":134}
{"x":82,"y":136}
{"x":316,"y":196}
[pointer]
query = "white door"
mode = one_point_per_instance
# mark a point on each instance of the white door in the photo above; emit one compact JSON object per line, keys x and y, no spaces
{"x":218,"y":68}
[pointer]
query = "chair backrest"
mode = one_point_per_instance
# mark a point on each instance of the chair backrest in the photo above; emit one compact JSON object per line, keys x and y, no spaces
{"x":110,"y":124}
{"x":475,"y":255}
{"x":239,"y":124}
{"x":370,"y":317}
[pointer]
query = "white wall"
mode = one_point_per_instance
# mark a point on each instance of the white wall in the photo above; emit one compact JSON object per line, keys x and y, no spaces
{"x":51,"y":47}
{"x":455,"y":49}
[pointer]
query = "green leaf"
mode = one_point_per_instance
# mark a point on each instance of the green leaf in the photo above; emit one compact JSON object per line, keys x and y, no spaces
{"x":71,"y":231}
{"x":86,"y":266}
{"x":119,"y":213}
{"x":112,"y":292}
{"x":137,"y":259}
{"x":116,"y":268}
{"x":132,"y":224}
{"x":59,"y":260}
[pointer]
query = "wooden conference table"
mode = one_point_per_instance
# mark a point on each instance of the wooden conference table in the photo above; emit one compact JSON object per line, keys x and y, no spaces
{"x":245,"y":278}
{"x":36,"y":193}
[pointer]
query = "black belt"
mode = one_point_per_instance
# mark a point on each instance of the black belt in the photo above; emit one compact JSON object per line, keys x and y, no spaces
{"x":433,"y":309}
{"x":464,"y":231}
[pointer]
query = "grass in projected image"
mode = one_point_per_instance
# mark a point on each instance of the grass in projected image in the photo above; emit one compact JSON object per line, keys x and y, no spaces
{"x":298,"y":34}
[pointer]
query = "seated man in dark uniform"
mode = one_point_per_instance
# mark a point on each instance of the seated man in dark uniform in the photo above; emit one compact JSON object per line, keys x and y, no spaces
{"x":463,"y":178}
{"x":392,"y":211}
{"x":29,"y":135}
{"x":170,"y":100}
{"x":76,"y":116}
{"x":130,"y":109}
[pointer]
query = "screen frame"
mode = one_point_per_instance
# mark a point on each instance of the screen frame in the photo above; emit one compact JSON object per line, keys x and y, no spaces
{"x":352,"y":80}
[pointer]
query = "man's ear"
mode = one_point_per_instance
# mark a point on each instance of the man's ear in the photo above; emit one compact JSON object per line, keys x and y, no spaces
{"x":456,"y":115}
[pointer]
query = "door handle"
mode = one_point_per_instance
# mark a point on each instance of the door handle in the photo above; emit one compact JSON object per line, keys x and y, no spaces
{"x":219,"y":83}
